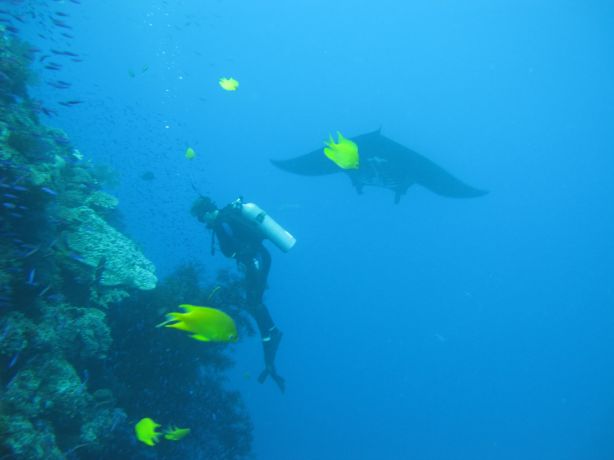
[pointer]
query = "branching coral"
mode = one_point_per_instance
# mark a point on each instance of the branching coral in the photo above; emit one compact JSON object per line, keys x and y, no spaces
{"x":48,"y":393}
{"x":47,"y":386}
{"x":14,"y":331}
{"x":77,"y":332}
{"x":25,"y":441}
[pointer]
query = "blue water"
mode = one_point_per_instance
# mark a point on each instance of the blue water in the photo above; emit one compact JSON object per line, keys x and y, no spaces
{"x":432,"y":329}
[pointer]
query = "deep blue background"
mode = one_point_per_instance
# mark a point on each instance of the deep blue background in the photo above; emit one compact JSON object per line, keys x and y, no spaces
{"x":433,"y":329}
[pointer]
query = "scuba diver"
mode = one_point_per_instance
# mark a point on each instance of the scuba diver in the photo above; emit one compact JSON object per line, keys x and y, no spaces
{"x":240,"y":229}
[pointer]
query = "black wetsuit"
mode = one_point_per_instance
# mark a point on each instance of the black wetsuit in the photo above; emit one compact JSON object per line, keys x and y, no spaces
{"x":242,"y":242}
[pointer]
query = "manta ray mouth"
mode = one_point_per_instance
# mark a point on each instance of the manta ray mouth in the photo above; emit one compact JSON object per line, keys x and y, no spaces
{"x":380,"y":181}
{"x":377,"y":172}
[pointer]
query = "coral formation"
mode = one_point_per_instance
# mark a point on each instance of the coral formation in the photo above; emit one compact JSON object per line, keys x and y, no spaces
{"x":221,"y":427}
{"x":101,"y":201}
{"x":24,"y":440}
{"x":80,"y":357}
{"x":93,"y":239}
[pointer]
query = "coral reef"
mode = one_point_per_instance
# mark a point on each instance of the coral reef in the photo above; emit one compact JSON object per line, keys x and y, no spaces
{"x":94,"y":240}
{"x":79,"y":353}
{"x":15,"y":58}
{"x":220,"y":428}
{"x":24,"y":440}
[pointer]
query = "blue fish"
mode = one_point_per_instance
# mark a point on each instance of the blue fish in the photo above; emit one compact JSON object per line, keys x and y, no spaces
{"x":13,"y":360}
{"x":5,"y":332}
{"x":44,"y":291}
{"x":48,"y":191}
{"x":31,"y":277}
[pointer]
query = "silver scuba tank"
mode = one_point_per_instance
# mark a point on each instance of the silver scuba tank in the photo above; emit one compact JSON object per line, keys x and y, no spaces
{"x":267,"y":226}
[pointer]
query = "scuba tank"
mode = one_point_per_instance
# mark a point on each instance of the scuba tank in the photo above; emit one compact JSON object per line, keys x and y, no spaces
{"x":265,"y":224}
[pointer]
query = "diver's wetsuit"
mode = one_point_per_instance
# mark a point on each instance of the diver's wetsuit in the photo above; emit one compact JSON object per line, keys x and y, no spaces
{"x":239,"y":240}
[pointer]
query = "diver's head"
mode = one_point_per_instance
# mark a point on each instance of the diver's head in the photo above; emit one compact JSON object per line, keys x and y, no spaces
{"x":204,"y":209}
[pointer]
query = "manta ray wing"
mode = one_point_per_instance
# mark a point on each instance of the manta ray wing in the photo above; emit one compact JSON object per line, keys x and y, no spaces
{"x":311,"y":164}
{"x":384,"y":163}
{"x":409,"y":167}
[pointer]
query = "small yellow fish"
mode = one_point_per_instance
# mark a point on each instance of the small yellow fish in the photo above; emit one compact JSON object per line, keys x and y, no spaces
{"x":172,"y":433}
{"x":344,"y":153}
{"x":229,"y":84}
{"x":190,"y":154}
{"x":146,"y":432}
{"x":205,"y":323}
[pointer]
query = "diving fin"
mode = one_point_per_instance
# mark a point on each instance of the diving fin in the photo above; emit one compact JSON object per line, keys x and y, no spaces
{"x":278,"y":379}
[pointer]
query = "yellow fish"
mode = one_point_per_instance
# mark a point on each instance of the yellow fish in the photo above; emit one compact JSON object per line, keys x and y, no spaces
{"x":344,"y":153}
{"x":229,"y":84}
{"x":172,"y":433}
{"x":190,"y":154}
{"x":205,"y":323}
{"x":146,"y":432}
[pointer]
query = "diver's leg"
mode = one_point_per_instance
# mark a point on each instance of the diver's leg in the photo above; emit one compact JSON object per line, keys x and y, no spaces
{"x":271,"y":337}
{"x":263,"y":319}
{"x":269,"y":333}
{"x":255,"y":281}
{"x":270,"y":344}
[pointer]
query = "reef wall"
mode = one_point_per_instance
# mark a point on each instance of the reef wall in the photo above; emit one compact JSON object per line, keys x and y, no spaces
{"x":73,"y":327}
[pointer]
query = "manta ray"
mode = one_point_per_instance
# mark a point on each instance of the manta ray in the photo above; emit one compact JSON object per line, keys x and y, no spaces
{"x":384,"y":163}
